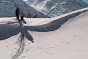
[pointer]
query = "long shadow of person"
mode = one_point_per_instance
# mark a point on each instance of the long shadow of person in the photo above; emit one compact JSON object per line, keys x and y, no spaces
{"x":24,"y":32}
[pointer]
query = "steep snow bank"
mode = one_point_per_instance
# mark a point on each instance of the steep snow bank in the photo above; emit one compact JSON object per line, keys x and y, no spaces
{"x":35,"y":24}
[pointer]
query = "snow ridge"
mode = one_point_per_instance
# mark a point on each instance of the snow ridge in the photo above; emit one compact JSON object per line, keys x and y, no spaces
{"x":44,"y":28}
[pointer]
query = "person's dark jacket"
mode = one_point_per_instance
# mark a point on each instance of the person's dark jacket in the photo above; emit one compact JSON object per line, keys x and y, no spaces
{"x":17,"y":12}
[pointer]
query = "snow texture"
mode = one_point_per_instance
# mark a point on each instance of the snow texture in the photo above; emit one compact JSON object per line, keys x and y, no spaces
{"x":69,"y":39}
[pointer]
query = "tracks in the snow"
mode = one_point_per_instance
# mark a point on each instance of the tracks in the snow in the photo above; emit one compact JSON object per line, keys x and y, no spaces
{"x":22,"y":43}
{"x":24,"y":33}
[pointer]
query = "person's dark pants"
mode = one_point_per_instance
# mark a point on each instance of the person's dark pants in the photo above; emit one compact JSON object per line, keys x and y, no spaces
{"x":22,"y":18}
{"x":17,"y":17}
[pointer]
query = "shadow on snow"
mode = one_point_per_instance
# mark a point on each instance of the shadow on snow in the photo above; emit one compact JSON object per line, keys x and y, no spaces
{"x":54,"y":25}
{"x":7,"y":30}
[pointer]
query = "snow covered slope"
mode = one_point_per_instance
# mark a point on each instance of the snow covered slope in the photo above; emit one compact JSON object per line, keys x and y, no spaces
{"x":8,"y":7}
{"x":70,"y":40}
{"x":56,"y":7}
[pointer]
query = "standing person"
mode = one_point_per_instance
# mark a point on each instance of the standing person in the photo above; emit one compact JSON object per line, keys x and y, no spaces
{"x":22,"y":18}
{"x":17,"y":13}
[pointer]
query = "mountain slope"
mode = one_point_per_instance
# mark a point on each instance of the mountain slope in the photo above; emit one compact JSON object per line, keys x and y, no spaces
{"x":70,"y":40}
{"x":8,"y":7}
{"x":57,"y":7}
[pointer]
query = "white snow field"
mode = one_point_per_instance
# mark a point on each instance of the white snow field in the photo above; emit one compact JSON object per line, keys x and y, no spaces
{"x":62,"y":37}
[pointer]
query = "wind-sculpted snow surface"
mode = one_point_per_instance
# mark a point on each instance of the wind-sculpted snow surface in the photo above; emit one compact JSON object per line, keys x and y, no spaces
{"x":51,"y":24}
{"x":10,"y":27}
{"x":8,"y":7}
{"x":54,"y":25}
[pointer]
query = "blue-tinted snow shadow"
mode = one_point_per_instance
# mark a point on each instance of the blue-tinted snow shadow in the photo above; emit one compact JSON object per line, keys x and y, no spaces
{"x":54,"y":25}
{"x":24,"y":32}
{"x":10,"y":29}
{"x":7,"y":31}
{"x":28,"y":36}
